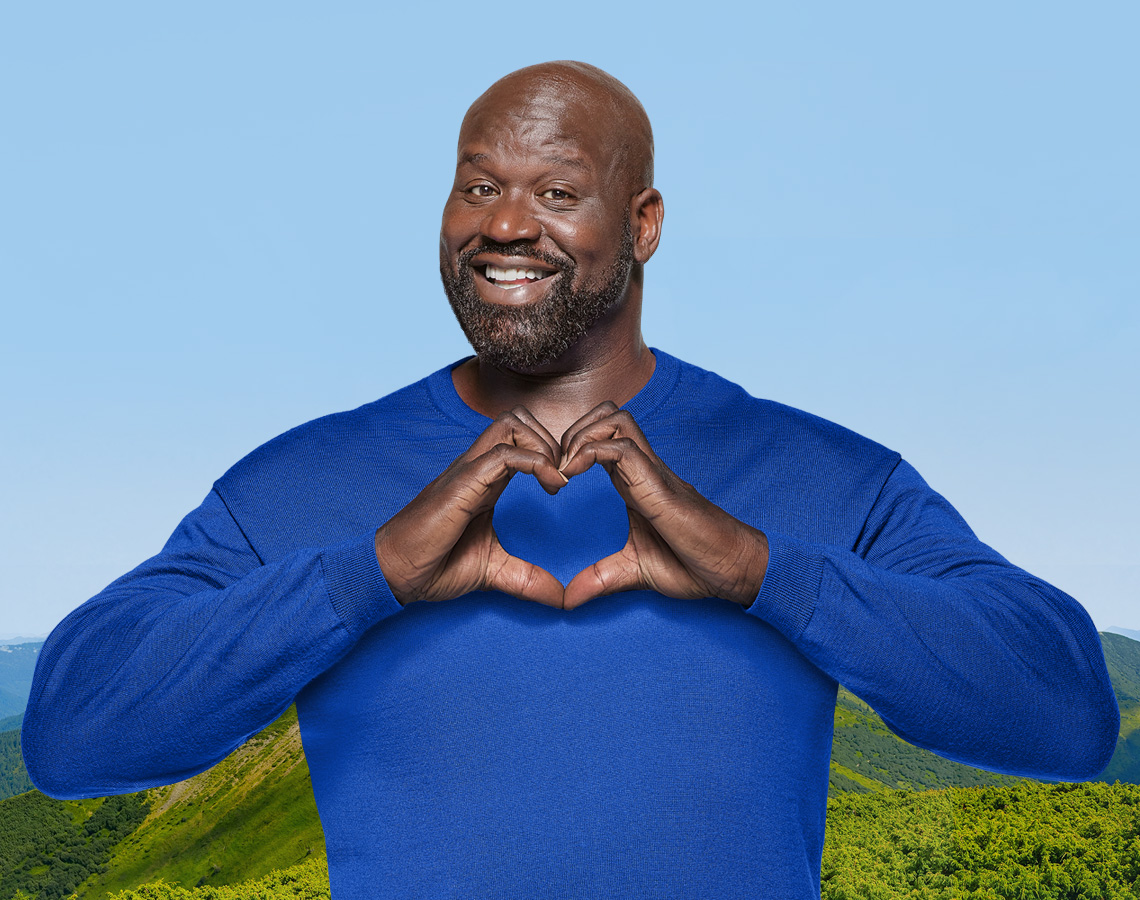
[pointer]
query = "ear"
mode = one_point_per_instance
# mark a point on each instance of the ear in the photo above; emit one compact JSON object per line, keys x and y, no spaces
{"x":646,"y":212}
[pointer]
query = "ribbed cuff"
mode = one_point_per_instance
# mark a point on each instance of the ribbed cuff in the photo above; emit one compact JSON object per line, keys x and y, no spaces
{"x":788,"y":595}
{"x":356,"y":586}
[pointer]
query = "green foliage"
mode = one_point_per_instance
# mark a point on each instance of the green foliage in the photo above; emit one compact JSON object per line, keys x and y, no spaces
{"x":307,"y":881}
{"x":48,"y":848}
{"x":1025,"y":842}
{"x":1038,"y":841}
{"x":13,"y":776}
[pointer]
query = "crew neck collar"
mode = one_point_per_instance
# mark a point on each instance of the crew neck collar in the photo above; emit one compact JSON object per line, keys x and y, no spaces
{"x":640,"y":406}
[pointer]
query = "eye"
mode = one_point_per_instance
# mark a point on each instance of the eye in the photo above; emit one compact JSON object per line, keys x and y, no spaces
{"x":555,"y":194}
{"x":482,"y":190}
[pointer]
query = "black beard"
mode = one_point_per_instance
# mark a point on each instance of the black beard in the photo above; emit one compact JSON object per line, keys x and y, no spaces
{"x":515,"y":337}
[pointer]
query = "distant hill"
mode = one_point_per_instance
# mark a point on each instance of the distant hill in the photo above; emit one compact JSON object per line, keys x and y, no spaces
{"x":17,"y":664}
{"x":11,"y":722}
{"x":1122,"y":654}
{"x":1127,"y":632}
{"x":867,"y":756}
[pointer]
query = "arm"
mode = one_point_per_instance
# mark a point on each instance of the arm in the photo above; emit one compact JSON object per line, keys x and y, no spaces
{"x":176,"y":663}
{"x":173,"y":665}
{"x":959,"y":651}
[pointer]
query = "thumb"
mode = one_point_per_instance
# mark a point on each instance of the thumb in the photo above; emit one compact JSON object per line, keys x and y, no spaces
{"x":617,"y":572}
{"x":522,"y":579}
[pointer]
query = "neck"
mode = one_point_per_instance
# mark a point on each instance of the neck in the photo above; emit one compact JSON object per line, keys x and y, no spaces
{"x":607,"y":364}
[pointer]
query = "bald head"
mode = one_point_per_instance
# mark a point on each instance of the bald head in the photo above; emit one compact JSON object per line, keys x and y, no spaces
{"x":608,"y":108}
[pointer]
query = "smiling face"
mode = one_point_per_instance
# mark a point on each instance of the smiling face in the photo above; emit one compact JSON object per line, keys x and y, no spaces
{"x":537,"y":242}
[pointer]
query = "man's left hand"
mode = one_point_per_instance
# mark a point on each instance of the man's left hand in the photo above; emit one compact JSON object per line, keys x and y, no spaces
{"x":680,"y":544}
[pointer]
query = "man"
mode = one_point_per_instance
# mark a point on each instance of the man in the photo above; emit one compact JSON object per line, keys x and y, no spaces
{"x":519,"y":736}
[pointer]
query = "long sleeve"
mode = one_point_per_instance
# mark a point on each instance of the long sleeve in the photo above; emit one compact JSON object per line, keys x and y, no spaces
{"x":176,"y":663}
{"x":959,"y":651}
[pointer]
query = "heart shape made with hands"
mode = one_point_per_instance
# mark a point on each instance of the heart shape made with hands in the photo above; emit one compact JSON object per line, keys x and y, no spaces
{"x":586,"y":521}
{"x":443,"y":544}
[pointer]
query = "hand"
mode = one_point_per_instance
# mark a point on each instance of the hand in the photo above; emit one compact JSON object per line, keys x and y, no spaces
{"x":680,"y":544}
{"x":442,"y":545}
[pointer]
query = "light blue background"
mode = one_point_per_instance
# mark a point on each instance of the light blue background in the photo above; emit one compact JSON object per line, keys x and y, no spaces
{"x":220,"y":220}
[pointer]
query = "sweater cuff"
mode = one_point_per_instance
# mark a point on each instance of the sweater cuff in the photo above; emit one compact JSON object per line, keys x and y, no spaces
{"x":356,"y":586}
{"x":787,"y":598}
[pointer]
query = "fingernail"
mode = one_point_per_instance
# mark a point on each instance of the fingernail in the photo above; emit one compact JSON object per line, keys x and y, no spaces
{"x":565,"y":480}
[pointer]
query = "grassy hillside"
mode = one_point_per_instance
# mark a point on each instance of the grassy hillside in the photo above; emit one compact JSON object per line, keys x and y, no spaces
{"x":251,"y":813}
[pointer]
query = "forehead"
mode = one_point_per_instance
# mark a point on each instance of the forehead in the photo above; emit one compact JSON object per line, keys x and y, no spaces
{"x":556,"y":124}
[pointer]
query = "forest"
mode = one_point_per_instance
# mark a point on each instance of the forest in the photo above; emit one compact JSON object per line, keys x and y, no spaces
{"x":1026,"y":842}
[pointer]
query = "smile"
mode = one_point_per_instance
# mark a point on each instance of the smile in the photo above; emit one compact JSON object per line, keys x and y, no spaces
{"x":513,"y":277}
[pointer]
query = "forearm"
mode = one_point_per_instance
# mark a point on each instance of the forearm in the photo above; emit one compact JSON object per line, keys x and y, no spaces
{"x":959,"y":651}
{"x":175,"y":664}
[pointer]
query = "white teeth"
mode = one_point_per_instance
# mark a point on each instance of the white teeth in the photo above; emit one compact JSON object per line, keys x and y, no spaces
{"x":494,"y":273}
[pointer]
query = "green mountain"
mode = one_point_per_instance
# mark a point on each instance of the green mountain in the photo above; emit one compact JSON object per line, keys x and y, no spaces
{"x":17,"y":664}
{"x":254,"y":812}
{"x":1122,"y":655}
{"x":251,"y":813}
{"x":867,"y":756}
{"x":11,"y":723}
{"x":13,"y":776}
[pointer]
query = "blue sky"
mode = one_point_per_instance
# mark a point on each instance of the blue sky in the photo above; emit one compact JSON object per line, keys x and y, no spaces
{"x":221,"y":220}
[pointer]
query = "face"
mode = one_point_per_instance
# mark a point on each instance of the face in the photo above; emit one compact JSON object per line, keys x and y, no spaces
{"x":536,"y":243}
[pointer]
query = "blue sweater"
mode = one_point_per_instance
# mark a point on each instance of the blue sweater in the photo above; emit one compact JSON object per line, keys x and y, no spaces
{"x":639,"y":746}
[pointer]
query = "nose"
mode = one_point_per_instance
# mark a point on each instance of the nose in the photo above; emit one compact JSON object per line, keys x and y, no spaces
{"x":511,"y":218}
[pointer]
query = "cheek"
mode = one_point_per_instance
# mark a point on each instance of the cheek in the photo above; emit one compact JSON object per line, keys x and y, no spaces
{"x":455,"y":228}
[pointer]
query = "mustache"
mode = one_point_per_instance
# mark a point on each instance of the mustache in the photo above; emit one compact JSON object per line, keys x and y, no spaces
{"x":517,"y":248}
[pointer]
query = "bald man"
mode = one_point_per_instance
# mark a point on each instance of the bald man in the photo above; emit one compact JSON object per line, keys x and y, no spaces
{"x":566,"y":618}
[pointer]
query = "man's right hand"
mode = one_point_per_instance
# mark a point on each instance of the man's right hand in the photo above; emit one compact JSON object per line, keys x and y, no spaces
{"x":442,"y":544}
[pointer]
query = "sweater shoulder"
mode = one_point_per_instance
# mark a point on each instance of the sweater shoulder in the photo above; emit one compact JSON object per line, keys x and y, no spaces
{"x":340,"y":435}
{"x":336,"y":476}
{"x":706,"y":400}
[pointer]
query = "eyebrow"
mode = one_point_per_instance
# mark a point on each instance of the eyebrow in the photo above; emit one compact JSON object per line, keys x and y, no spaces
{"x":554,"y":159}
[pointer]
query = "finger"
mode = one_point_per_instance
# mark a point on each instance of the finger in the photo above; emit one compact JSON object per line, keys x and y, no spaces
{"x":519,"y":428}
{"x":521,"y":579}
{"x":617,"y":424}
{"x":627,"y":463}
{"x":603,"y":410}
{"x":528,"y":418}
{"x":493,"y":470}
{"x":617,"y":572}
